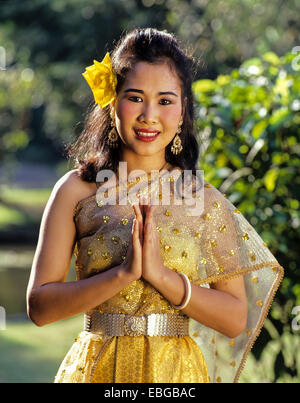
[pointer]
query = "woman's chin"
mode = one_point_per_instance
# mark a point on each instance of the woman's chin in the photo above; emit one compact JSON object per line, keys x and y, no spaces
{"x":143,"y":151}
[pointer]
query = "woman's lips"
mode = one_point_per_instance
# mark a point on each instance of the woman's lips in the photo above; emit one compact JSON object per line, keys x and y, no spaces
{"x":146,"y":135}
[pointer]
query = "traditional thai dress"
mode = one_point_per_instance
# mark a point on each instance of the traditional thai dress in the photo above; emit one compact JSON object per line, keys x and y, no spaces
{"x":137,"y":336}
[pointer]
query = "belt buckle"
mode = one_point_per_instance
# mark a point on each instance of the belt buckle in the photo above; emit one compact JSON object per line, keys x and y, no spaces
{"x":135,"y":326}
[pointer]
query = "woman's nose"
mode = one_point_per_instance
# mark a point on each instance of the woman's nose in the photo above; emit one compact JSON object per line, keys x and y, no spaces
{"x":148,"y":114}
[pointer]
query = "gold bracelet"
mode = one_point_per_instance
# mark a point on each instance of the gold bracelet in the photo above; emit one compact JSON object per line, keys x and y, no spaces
{"x":188,"y":292}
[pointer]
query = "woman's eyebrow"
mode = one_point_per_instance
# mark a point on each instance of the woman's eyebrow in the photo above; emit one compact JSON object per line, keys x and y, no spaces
{"x":142,"y":92}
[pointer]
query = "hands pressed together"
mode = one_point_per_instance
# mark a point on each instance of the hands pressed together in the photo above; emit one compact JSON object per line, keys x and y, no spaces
{"x":222,"y":307}
{"x":143,"y":257}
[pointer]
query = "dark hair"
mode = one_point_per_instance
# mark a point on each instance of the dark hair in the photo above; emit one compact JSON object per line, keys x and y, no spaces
{"x":91,"y":151}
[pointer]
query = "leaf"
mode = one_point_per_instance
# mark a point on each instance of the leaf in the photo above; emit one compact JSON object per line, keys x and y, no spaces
{"x":223,"y":79}
{"x":15,"y":140}
{"x":271,"y":58}
{"x":252,"y":67}
{"x":282,"y":86}
{"x":278,"y":117}
{"x":204,"y":86}
{"x":259,"y":128}
{"x":270,"y":179}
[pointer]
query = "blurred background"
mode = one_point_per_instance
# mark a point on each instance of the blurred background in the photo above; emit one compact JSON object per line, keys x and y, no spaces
{"x":247,"y":108}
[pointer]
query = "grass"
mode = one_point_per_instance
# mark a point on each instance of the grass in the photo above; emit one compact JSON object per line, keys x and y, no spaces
{"x":31,"y":354}
{"x":16,"y":256}
{"x":11,"y":216}
{"x":26,"y":197}
{"x":19,"y":206}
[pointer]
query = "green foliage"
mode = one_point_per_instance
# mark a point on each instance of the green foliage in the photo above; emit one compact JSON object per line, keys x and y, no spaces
{"x":31,"y":354}
{"x":21,"y":207}
{"x":224,"y":33}
{"x":247,"y":108}
{"x":279,"y":361}
{"x":248,"y":124}
{"x":48,"y":43}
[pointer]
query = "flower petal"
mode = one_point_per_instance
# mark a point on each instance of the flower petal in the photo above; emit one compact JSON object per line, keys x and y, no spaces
{"x":102,"y":80}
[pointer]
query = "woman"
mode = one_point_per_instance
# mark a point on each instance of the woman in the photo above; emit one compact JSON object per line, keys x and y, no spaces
{"x":168,"y":295}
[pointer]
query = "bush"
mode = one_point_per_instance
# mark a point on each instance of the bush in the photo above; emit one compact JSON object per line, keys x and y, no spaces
{"x":248,"y":124}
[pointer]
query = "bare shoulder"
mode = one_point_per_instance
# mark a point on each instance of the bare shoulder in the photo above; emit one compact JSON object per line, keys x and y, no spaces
{"x":70,"y":189}
{"x":57,"y":231}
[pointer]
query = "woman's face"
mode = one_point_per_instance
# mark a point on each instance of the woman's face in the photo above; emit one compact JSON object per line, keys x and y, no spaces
{"x":148,"y":109}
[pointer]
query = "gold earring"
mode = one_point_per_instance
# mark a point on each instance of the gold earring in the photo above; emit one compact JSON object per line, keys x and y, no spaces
{"x":176,"y":146}
{"x":112,"y":139}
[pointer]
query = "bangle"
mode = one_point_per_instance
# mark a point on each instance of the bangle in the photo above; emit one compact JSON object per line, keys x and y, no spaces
{"x":188,"y":292}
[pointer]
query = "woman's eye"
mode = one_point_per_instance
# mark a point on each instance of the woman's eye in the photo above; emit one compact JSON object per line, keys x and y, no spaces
{"x":135,"y":99}
{"x":165,"y":101}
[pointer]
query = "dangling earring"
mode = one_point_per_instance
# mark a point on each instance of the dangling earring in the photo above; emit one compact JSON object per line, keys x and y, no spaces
{"x":112,"y":139}
{"x":176,"y":146}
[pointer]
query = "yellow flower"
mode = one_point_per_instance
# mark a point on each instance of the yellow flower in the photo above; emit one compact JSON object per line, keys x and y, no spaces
{"x":102,"y":80}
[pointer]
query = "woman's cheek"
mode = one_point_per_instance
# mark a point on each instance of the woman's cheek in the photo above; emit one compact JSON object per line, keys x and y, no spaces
{"x":172,"y":116}
{"x":127,"y":110}
{"x":126,"y":115}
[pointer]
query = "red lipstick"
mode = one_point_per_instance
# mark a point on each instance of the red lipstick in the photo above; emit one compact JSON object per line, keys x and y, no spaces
{"x":146,"y":134}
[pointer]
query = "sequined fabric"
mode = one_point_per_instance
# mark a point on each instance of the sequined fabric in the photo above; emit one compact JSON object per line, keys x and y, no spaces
{"x":216,"y":244}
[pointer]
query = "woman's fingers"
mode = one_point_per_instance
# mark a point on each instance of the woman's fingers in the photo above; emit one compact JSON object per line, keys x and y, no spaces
{"x":149,"y":222}
{"x":136,"y":245}
{"x":139,"y":218}
{"x":144,"y":216}
{"x":149,"y":209}
{"x":133,"y":259}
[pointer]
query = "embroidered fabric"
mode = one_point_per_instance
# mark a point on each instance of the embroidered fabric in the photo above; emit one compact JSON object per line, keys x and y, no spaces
{"x":217,"y":244}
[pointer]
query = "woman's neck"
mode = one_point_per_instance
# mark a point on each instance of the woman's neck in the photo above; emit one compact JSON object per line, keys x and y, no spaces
{"x":144,"y":163}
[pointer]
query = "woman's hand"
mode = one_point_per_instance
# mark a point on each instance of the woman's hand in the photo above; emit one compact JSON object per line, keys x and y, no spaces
{"x":133,"y":260}
{"x":143,"y":257}
{"x":152,"y":264}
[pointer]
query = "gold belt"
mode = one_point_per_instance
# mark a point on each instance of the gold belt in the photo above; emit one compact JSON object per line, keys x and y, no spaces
{"x":156,"y":324}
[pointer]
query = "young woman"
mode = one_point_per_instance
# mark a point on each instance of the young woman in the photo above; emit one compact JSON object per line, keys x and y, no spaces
{"x":169,"y":294}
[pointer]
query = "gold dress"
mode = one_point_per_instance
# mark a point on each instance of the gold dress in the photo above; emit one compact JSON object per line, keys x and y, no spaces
{"x":216,"y":244}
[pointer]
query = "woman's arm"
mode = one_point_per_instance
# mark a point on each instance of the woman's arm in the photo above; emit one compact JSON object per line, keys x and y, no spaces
{"x":49,"y":298}
{"x":222,"y":307}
